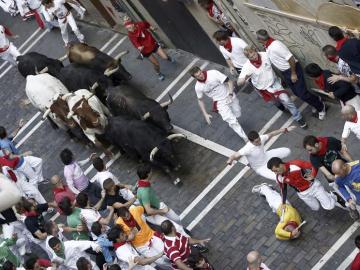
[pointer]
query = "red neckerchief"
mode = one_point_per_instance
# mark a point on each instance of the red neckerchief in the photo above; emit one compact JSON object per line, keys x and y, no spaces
{"x":320,"y":81}
{"x":12,"y":175}
{"x":131,"y":223}
{"x":143,"y":183}
{"x":287,"y":167}
{"x":118,"y":244}
{"x":268,"y":42}
{"x":340,"y":43}
{"x":257,"y":63}
{"x":210,"y":9}
{"x":333,"y":58}
{"x":205,"y":77}
{"x":228,"y":45}
{"x":354,"y":119}
{"x":31,"y":213}
{"x":324,"y":145}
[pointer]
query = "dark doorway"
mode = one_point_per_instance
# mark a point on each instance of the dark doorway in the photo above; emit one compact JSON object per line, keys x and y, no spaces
{"x":182,"y":28}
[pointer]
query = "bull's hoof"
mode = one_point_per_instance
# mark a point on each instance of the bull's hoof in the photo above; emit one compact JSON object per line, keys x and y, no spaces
{"x":178,"y":182}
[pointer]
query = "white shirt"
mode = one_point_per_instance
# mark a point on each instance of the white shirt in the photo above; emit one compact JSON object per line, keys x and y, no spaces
{"x":61,"y":237}
{"x":214,"y":86}
{"x":125,"y":253}
{"x":75,"y":249}
{"x":236,"y":55}
{"x":4,"y":41}
{"x":262,"y":77}
{"x":90,"y":216}
{"x":100,"y":177}
{"x":279,"y":55}
{"x":255,"y":154}
{"x":59,"y":10}
{"x":352,"y":127}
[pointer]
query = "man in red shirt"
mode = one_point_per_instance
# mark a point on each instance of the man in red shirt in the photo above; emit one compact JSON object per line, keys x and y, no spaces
{"x":300,"y":175}
{"x":143,"y":40}
{"x":355,"y":265}
{"x":60,"y":191}
{"x":177,"y":247}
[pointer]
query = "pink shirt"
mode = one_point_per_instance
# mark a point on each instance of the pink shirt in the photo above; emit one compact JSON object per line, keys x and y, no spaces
{"x":75,"y":178}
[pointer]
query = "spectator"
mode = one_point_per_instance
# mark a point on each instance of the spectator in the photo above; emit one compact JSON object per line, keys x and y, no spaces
{"x":53,"y":230}
{"x":290,"y":68}
{"x":99,"y":231}
{"x":349,"y":49}
{"x":141,"y":236}
{"x":323,"y":151}
{"x":178,"y":247}
{"x":79,"y":228}
{"x":341,"y":90}
{"x":156,"y":211}
{"x":220,"y":89}
{"x":351,"y":116}
{"x":232,"y":48}
{"x":256,"y":155}
{"x":254,"y":261}
{"x":35,"y":263}
{"x":126,"y":254}
{"x":57,"y":8}
{"x":300,"y":175}
{"x":60,"y":191}
{"x":142,"y":39}
{"x":258,"y":68}
{"x":348,"y":178}
{"x":355,"y":265}
{"x":76,"y":180}
{"x":71,"y":251}
{"x":197,"y":261}
{"x":116,"y":196}
{"x":290,"y":219}
{"x":5,"y":252}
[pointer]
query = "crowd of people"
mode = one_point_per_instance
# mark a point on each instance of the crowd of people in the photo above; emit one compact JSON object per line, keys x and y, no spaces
{"x":113,"y":225}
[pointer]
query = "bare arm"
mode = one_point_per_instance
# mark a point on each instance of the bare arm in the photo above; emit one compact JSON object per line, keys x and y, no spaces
{"x":204,"y":112}
{"x":181,"y":265}
{"x":346,"y":154}
{"x":231,"y":66}
{"x":233,"y":157}
{"x":40,"y":235}
{"x":279,"y":131}
{"x":242,"y":81}
{"x":148,"y":260}
{"x":327,"y":174}
{"x":292,"y":64}
{"x":152,"y":211}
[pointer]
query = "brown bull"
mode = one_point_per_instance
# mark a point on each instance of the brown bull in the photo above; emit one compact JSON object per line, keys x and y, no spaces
{"x":61,"y":109}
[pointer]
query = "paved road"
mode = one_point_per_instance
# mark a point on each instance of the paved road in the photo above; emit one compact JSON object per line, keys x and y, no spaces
{"x":216,"y":200}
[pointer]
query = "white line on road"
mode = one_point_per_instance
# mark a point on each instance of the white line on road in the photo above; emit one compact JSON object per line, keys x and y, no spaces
{"x":345,"y":264}
{"x":177,"y":79}
{"x":108,"y":43}
{"x":26,"y":125}
{"x":336,"y":246}
{"x":117,"y":45}
{"x":232,"y":183}
{"x":30,"y":133}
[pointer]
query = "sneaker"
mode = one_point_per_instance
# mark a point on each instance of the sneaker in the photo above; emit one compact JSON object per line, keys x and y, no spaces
{"x":340,"y":202}
{"x":302,"y":123}
{"x":257,"y":188}
{"x":171,"y":60}
{"x":323,"y":112}
{"x":201,"y":248}
{"x":354,"y":214}
{"x":161,"y":76}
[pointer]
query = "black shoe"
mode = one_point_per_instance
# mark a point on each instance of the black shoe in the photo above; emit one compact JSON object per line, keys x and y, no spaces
{"x":340,"y":202}
{"x":201,"y":248}
{"x":354,"y":214}
{"x":302,"y":124}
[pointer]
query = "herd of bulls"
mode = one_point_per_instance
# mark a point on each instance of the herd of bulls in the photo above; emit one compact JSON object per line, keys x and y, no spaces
{"x":91,"y":96}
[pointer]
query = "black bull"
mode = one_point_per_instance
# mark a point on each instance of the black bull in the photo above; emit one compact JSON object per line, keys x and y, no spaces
{"x":141,"y":140}
{"x":127,"y":100}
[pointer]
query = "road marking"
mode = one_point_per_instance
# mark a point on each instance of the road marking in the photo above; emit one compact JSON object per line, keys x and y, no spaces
{"x":336,"y":246}
{"x":177,"y":79}
{"x":117,"y":45}
{"x":25,"y":51}
{"x":345,"y":264}
{"x":30,"y":133}
{"x":101,"y":156}
{"x":108,"y":43}
{"x":26,"y":125}
{"x":57,"y":214}
{"x":232,"y":183}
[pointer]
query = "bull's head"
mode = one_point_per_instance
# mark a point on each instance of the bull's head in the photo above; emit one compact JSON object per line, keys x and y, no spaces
{"x":60,"y":108}
{"x":159,"y":115}
{"x":116,"y":67}
{"x":89,"y":118}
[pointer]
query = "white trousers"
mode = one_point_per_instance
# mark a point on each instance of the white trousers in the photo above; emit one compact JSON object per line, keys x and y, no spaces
{"x":355,"y":102}
{"x":230,"y":110}
{"x":170,"y":215}
{"x":316,"y":195}
{"x":22,"y":7}
{"x":63,"y":23}
{"x":22,"y":242}
{"x":29,"y":190}
{"x":273,"y":198}
{"x":154,"y":247}
{"x":10,"y":54}
{"x":32,"y":169}
{"x":263,"y":171}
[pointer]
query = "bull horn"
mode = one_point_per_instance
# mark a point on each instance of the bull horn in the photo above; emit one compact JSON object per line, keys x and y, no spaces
{"x":145,"y":116}
{"x":108,"y":72}
{"x":44,"y":70}
{"x":62,"y":58}
{"x":174,"y":136}
{"x":117,"y":58}
{"x":46,"y":113}
{"x":66,"y":96}
{"x":70,"y":114}
{"x":153,"y":153}
{"x":167,"y":103}
{"x":94,"y":86}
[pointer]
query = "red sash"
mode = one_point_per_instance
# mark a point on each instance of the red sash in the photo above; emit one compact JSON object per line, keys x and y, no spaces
{"x":143,"y":183}
{"x":267,"y":96}
{"x":4,"y":49}
{"x":117,"y":245}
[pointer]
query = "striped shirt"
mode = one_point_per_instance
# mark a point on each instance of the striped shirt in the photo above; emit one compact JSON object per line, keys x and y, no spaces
{"x":177,"y":248}
{"x":75,"y":178}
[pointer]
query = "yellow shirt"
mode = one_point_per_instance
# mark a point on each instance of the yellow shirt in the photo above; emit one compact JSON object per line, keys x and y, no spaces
{"x":291,"y":214}
{"x":145,"y":234}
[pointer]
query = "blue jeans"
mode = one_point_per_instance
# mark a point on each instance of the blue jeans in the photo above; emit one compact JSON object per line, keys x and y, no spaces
{"x":288,"y":104}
